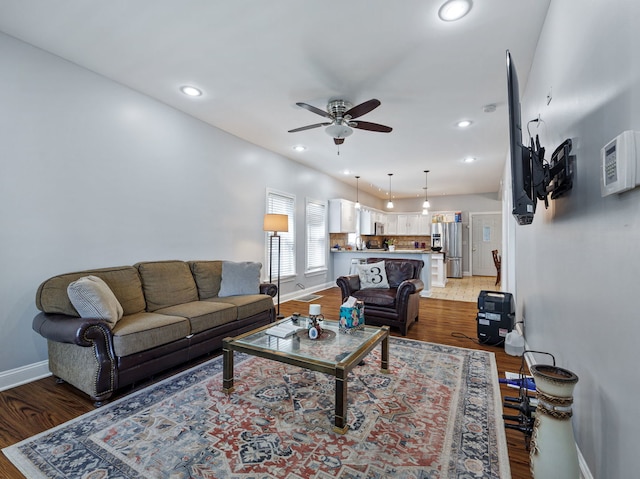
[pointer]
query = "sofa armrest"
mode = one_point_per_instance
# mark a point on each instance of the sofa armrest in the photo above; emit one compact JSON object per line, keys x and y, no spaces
{"x":68,"y":329}
{"x":348,"y":285}
{"x":268,"y":288}
{"x":407,"y":288}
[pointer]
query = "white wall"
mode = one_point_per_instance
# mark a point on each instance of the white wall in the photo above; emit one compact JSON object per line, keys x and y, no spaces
{"x":95,"y":174}
{"x":576,"y":267}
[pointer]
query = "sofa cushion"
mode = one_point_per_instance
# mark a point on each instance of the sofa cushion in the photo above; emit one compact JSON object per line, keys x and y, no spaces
{"x":141,"y":331}
{"x":372,"y":275}
{"x":203,"y":315}
{"x":92,"y":298}
{"x":207,"y":275}
{"x":240,"y":278}
{"x":248,"y":304}
{"x":377,"y":297}
{"x":167,"y":283}
{"x":123,"y":281}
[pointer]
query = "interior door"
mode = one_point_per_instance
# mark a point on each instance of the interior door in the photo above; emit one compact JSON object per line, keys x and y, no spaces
{"x":486,"y":235}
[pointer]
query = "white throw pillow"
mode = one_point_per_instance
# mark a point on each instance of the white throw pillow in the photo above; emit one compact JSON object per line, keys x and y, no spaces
{"x":372,"y":275}
{"x":92,"y":298}
{"x":240,"y":278}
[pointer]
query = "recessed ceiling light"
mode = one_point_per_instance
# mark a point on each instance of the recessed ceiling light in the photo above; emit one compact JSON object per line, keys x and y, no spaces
{"x":469,"y":159}
{"x":463,"y":123}
{"x":190,"y":90}
{"x":453,"y":10}
{"x":299,"y":148}
{"x":346,"y":172}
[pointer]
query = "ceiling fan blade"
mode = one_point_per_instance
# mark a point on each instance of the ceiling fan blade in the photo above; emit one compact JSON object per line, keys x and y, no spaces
{"x":365,"y":125}
{"x":314,"y":109}
{"x":309,"y":127}
{"x":338,"y":141}
{"x":363,"y":108}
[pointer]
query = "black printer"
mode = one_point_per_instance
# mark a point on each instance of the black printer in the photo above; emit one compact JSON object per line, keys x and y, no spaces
{"x":496,"y":313}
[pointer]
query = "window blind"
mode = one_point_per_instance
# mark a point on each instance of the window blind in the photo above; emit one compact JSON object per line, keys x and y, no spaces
{"x":282,"y":204}
{"x":316,"y":247}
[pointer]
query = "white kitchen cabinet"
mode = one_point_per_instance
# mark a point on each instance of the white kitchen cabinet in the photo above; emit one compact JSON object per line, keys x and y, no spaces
{"x":438,"y":270}
{"x":425,"y":225}
{"x":391,"y":226}
{"x":342,"y":216}
{"x":367,"y":220}
{"x":409,"y":223}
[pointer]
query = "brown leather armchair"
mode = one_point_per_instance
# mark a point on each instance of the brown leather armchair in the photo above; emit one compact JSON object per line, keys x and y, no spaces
{"x":396,"y":306}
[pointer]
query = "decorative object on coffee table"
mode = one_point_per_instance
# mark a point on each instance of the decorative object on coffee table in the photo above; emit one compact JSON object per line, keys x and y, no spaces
{"x":351,"y":315}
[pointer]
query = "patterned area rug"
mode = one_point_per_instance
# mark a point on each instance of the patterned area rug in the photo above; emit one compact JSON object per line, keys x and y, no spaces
{"x":436,"y":415}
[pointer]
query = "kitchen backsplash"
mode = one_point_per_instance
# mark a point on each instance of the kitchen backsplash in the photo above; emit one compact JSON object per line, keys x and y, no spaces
{"x":401,"y":242}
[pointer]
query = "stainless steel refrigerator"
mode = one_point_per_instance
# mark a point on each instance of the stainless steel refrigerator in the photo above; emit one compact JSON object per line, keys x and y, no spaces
{"x":451,"y":241}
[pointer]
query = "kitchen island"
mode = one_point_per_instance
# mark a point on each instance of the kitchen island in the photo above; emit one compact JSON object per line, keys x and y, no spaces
{"x":343,"y":259}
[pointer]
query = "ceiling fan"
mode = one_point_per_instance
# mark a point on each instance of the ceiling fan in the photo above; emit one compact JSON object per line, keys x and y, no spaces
{"x":342,"y":115}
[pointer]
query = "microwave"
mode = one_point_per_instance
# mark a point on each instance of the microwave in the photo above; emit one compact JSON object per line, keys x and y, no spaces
{"x":378,"y":228}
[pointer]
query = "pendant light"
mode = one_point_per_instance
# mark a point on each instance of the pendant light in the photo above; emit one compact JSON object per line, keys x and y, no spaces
{"x":390,"y":203}
{"x":357,"y":194}
{"x":425,"y":205}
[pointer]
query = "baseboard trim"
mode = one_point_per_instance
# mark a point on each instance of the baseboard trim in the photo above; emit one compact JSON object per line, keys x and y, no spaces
{"x":23,"y":375}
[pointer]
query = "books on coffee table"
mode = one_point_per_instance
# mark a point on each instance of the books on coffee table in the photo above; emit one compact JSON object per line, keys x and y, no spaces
{"x":283,"y":330}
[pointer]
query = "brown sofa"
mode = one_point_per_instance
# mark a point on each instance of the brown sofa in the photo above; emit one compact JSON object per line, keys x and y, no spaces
{"x":396,"y":306}
{"x":171,"y":313}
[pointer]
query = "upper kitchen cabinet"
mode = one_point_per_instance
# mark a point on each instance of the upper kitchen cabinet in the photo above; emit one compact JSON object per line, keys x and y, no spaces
{"x":409,"y":224}
{"x":391,"y":224}
{"x":342,"y":216}
{"x":425,"y":224}
{"x":367,"y":221}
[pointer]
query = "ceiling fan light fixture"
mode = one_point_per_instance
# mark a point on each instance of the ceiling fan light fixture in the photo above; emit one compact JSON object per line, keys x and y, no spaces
{"x":338,"y":131}
{"x":453,"y":10}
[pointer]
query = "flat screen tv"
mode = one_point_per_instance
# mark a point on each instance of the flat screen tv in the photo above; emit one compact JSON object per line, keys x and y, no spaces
{"x":522,"y":185}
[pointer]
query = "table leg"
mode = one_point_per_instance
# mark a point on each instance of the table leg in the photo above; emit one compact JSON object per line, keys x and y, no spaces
{"x":384,"y":357}
{"x":340,"y":423}
{"x":227,"y":367}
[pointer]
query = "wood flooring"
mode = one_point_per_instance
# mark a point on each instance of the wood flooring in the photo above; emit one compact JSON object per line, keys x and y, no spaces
{"x":35,"y":407}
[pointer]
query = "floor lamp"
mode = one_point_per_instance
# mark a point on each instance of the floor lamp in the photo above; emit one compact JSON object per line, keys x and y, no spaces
{"x":275,"y":223}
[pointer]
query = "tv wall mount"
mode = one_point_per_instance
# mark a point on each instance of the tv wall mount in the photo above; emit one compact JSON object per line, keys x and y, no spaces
{"x":554,"y":178}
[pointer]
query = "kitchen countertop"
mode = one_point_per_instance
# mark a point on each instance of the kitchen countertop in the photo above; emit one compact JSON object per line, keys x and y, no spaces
{"x":400,"y":251}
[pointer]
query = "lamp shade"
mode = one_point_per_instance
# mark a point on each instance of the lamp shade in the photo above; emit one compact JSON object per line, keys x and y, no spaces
{"x":275,"y":223}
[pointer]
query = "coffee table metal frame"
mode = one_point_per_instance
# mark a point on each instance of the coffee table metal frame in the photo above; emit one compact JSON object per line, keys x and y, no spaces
{"x":253,"y":343}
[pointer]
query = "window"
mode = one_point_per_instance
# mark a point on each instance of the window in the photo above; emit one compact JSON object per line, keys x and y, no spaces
{"x":316,"y":248}
{"x":282,"y":204}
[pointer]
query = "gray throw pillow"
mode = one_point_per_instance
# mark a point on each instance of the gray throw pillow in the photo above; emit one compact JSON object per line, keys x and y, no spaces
{"x":240,"y":278}
{"x":93,"y":298}
{"x":372,"y":275}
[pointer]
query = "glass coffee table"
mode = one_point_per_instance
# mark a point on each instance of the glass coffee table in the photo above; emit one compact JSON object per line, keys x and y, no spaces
{"x":335,"y":353}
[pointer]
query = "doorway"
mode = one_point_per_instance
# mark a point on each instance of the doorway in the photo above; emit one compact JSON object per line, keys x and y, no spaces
{"x":486,"y":235}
